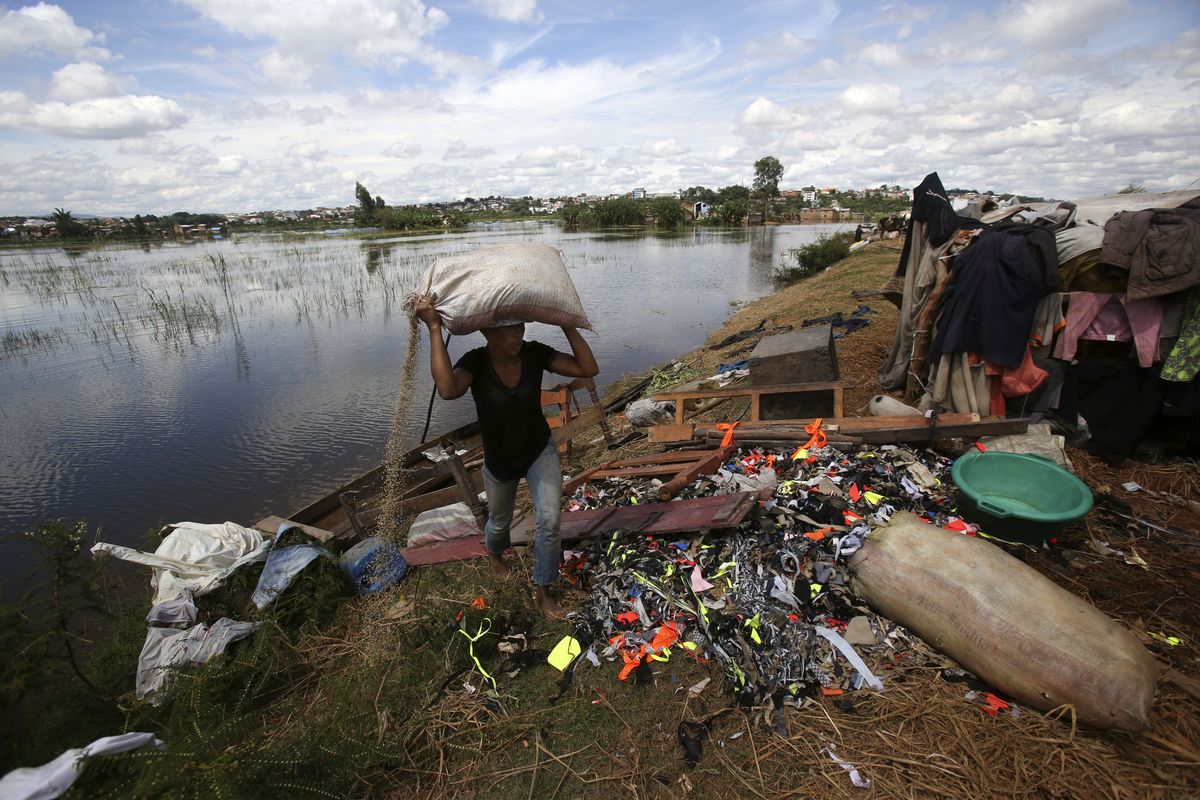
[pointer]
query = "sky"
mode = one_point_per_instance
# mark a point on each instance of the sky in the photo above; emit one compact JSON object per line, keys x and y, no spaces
{"x":156,"y":106}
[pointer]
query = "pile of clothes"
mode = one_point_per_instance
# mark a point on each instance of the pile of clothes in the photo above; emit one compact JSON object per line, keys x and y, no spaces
{"x":769,"y":601}
{"x":1065,"y":309}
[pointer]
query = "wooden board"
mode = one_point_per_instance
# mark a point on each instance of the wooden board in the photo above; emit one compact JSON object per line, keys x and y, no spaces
{"x":270,"y":525}
{"x":463,"y":549}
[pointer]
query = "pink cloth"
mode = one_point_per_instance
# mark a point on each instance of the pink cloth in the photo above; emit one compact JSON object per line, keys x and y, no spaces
{"x":1112,"y":318}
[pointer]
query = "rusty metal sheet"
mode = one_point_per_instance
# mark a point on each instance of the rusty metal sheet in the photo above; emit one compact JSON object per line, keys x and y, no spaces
{"x":701,"y":513}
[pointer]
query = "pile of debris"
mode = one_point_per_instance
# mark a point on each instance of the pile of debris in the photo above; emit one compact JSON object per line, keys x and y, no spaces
{"x":769,"y":601}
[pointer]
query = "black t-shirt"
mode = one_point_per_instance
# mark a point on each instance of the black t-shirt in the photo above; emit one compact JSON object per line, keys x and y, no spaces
{"x":511,"y":422}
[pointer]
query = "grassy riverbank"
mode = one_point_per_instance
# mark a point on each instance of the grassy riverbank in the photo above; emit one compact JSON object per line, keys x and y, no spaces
{"x":343,"y":697}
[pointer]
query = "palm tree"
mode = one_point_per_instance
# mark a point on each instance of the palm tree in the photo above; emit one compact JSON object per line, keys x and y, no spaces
{"x":67,"y":226}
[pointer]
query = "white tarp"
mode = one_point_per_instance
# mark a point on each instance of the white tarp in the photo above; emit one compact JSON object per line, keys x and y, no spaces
{"x":194,"y":556}
{"x":171,"y":648}
{"x":51,"y":780}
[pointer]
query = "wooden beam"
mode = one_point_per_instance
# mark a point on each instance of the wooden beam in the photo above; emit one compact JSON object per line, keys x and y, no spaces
{"x":271,"y":525}
{"x":701,"y":467}
{"x":748,"y":391}
{"x":577,"y":424}
{"x":672,"y":432}
{"x":643,"y":472}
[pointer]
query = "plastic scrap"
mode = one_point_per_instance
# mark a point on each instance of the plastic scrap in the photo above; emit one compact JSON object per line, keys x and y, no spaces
{"x":769,"y":601}
{"x":855,"y":777}
{"x":566,"y":651}
{"x":56,"y":777}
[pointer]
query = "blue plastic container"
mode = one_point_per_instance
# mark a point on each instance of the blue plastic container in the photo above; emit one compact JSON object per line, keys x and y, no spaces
{"x":373,"y":564}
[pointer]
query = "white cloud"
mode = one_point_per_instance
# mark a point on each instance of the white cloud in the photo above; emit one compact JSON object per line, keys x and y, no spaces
{"x":306,"y":151}
{"x":86,"y":81}
{"x":884,"y":54}
{"x":459,"y":149}
{"x":402,"y":150}
{"x":46,"y":28}
{"x":547,"y":156}
{"x":285,"y":70}
{"x":404,"y":97}
{"x":314,"y":115}
{"x":1049,"y":24}
{"x":764,"y":113}
{"x":510,"y":10}
{"x":871,"y":98}
{"x":100,"y":118}
{"x":369,"y":31}
{"x":661,"y":148}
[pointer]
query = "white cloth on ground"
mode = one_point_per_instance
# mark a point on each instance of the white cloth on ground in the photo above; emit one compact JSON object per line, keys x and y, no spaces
{"x":169,"y":648}
{"x":179,"y":610}
{"x":194,"y":556}
{"x":52,"y":779}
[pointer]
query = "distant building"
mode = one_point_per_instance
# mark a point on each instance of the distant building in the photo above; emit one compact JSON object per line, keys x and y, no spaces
{"x":809,"y":193}
{"x":639,"y":193}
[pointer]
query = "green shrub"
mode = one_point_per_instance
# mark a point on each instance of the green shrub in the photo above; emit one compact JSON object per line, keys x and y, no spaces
{"x":813,"y":258}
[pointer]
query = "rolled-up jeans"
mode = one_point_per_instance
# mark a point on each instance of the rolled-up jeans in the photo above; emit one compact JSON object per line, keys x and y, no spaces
{"x":544,"y":478}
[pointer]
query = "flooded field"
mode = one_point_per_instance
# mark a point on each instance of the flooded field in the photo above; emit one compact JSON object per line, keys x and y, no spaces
{"x":236,"y":378}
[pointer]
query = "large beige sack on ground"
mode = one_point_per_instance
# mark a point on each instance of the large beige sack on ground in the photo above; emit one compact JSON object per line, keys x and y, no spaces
{"x":504,"y":283}
{"x":1007,"y":623}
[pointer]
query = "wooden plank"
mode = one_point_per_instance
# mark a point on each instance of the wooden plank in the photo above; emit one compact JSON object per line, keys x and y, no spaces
{"x":677,"y":516}
{"x":671,"y":432}
{"x":673,"y":456}
{"x":998,"y":427}
{"x":271,"y":525}
{"x":704,"y":466}
{"x":645,"y":471}
{"x":747,"y":391}
{"x":462,"y":549}
{"x":576,"y":425}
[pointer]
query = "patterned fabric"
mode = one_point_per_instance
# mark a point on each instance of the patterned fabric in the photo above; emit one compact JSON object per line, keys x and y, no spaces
{"x":1183,"y":364}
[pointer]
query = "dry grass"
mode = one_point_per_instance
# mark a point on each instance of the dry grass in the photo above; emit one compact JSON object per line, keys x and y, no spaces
{"x":918,"y":739}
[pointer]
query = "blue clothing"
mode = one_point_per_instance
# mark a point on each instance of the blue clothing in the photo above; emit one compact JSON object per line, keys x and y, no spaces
{"x":544,"y":477}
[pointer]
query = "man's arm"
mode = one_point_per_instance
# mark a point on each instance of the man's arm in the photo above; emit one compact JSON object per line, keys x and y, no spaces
{"x":581,"y":363}
{"x":451,"y":383}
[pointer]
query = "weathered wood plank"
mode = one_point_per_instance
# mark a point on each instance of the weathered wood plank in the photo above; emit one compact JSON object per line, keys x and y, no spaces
{"x":271,"y":525}
{"x":747,"y":391}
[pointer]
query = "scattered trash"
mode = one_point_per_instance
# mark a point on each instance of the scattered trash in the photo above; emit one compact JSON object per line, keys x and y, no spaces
{"x":566,"y":651}
{"x":857,"y":779}
{"x":53,"y":779}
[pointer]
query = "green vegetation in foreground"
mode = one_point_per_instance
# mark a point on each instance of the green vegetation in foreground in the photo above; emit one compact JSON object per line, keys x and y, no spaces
{"x":337,"y":696}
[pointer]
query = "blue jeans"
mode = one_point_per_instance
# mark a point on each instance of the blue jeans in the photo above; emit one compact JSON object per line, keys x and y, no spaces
{"x":545,"y":487}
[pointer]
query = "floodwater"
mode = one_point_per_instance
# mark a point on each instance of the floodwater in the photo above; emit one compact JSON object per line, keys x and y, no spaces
{"x":233,"y":379}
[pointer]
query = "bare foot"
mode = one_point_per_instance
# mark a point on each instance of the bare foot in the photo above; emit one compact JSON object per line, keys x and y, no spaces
{"x":499,"y":568}
{"x":547,"y":605}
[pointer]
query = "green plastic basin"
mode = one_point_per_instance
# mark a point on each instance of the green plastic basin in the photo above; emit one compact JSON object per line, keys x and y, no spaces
{"x":1018,"y":497}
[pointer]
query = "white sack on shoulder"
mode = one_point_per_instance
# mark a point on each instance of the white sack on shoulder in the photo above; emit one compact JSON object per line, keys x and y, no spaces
{"x":502,"y":283}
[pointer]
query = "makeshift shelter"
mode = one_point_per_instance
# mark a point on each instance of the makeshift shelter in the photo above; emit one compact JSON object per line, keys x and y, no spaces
{"x":1084,"y":312}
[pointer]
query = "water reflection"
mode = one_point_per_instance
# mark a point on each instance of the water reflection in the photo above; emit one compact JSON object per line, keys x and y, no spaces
{"x":126,"y":383}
